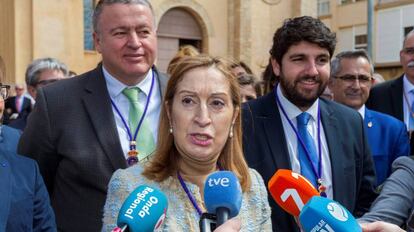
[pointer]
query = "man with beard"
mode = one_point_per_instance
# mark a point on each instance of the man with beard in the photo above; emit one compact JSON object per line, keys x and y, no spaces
{"x":292,"y":128}
{"x":396,"y":97}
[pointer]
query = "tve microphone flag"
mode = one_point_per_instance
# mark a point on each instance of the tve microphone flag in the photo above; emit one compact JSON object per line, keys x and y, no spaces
{"x":291,"y":191}
{"x":222,"y":195}
{"x":144,"y":210}
{"x":325,"y":215}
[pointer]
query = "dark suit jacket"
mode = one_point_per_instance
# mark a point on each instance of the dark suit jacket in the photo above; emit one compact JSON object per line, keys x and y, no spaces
{"x":387,"y":139}
{"x":265,"y":148}
{"x":24,"y":201}
{"x":72,"y":134}
{"x":388,"y":98}
{"x":10,"y":105}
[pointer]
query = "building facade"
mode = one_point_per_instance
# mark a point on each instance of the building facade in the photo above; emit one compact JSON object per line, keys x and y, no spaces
{"x":239,"y":29}
{"x":393,"y":19}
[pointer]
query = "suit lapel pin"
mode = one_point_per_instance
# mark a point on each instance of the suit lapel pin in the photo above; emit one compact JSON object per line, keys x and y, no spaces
{"x":369,"y":124}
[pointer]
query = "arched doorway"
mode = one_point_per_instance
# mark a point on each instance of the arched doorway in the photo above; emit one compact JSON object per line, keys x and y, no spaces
{"x":177,"y":27}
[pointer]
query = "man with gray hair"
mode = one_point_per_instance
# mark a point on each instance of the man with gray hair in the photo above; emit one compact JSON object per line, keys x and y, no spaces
{"x":42,"y":72}
{"x":350,"y":82}
{"x":39,"y":73}
{"x":84,"y":128}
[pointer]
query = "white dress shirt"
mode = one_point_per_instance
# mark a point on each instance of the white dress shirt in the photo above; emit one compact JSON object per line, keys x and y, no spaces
{"x":407,"y":87}
{"x":292,"y":112}
{"x":152,"y":116}
{"x":361,"y":111}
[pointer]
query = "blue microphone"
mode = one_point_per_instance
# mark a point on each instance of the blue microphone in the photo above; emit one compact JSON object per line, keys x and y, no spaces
{"x":222,"y":195}
{"x":143,"y":210}
{"x":323,"y":214}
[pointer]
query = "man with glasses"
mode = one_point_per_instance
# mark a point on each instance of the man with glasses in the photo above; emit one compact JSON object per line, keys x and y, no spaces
{"x":396,"y":97}
{"x":39,"y":73}
{"x":42,"y":72}
{"x":350,"y":82}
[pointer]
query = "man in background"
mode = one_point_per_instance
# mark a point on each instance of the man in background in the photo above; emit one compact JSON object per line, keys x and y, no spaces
{"x":18,"y":106}
{"x":396,"y":97}
{"x":350,"y":82}
{"x":39,"y":73}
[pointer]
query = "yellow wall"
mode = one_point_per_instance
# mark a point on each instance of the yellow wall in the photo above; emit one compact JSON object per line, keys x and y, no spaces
{"x":242,"y":29}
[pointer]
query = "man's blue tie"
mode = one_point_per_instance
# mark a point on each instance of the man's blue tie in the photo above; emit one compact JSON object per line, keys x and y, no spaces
{"x":305,"y":165}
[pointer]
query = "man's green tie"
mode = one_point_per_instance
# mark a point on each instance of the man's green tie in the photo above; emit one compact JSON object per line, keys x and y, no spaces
{"x":145,"y":139}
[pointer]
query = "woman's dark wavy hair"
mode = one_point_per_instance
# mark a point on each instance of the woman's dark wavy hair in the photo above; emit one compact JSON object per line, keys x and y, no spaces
{"x":296,"y":30}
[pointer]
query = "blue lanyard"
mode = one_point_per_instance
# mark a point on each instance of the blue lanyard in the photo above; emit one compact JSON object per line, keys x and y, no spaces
{"x":317,"y":172}
{"x":189,"y":195}
{"x":142,"y":117}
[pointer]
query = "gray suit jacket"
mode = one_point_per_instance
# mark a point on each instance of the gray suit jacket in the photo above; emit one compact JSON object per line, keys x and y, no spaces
{"x":72,"y":134}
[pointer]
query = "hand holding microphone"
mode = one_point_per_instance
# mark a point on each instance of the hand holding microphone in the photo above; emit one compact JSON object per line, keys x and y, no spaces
{"x":222,"y":197}
{"x":232,"y":225}
{"x":143,"y":210}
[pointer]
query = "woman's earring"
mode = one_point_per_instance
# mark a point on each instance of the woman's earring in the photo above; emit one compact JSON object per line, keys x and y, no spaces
{"x":231,"y":131}
{"x":171,"y":130}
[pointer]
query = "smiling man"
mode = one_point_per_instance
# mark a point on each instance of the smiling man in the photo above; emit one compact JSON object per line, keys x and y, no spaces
{"x":350,"y":82}
{"x":292,"y":128}
{"x":83,"y":129}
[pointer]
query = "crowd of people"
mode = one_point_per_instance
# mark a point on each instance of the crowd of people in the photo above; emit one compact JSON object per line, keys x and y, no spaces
{"x":74,"y":148}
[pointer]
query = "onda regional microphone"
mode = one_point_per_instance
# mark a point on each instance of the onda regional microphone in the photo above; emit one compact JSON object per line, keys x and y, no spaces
{"x":324,"y":215}
{"x":291,"y":191}
{"x":222,"y":195}
{"x":143,"y":210}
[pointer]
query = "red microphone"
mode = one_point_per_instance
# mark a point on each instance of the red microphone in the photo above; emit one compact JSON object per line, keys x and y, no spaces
{"x":291,"y":191}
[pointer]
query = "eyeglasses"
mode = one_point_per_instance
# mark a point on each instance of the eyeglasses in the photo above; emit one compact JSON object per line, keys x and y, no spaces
{"x":350,"y":79}
{"x":409,"y":51}
{"x":4,"y":91}
{"x":45,"y":82}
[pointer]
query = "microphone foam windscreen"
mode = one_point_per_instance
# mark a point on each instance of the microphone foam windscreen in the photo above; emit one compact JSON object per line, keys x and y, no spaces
{"x":323,"y":214}
{"x":291,"y":191}
{"x":143,"y":210}
{"x":222,"y":189}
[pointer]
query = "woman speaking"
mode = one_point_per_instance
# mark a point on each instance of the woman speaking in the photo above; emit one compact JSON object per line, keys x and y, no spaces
{"x":199,"y":133}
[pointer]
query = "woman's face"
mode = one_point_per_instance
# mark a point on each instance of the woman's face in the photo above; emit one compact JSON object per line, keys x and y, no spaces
{"x":201,"y":114}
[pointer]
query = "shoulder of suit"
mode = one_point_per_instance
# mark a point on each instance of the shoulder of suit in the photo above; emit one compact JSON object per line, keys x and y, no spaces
{"x":16,"y":160}
{"x":387,"y":84}
{"x":73,"y":83}
{"x":9,"y":131}
{"x":404,"y":162}
{"x":385,"y":118}
{"x":337,"y":108}
{"x":262,"y":102}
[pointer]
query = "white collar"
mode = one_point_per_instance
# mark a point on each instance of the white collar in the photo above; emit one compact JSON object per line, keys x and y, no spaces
{"x":361,"y":111}
{"x":408,"y":86}
{"x":292,"y":111}
{"x":115,"y":87}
